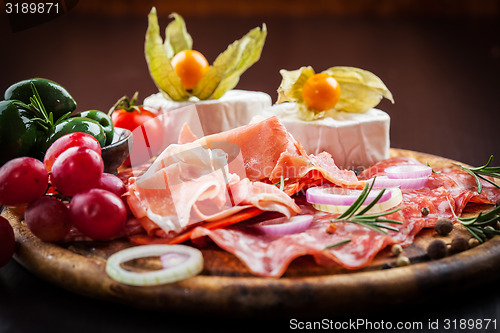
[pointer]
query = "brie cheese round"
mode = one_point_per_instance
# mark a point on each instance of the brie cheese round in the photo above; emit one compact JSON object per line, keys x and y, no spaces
{"x":355,"y":140}
{"x":235,"y":108}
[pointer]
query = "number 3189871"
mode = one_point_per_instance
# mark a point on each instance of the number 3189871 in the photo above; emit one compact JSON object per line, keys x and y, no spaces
{"x":32,"y":8}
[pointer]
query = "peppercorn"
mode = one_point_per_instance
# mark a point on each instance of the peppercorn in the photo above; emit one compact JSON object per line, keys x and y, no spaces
{"x":402,"y":261}
{"x":443,"y":226}
{"x":458,"y":244}
{"x":396,"y":250}
{"x":425,"y":211}
{"x":437,"y":249}
{"x":473,"y":242}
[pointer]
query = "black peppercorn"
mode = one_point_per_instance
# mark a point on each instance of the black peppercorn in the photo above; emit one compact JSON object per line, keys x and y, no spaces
{"x":425,"y":211}
{"x":459,"y":244}
{"x":443,"y":226}
{"x":437,"y":249}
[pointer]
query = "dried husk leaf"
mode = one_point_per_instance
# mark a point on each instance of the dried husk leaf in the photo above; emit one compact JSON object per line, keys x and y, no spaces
{"x":290,"y":89}
{"x":360,"y":90}
{"x":158,"y":62}
{"x":227,"y":68}
{"x":177,"y":38}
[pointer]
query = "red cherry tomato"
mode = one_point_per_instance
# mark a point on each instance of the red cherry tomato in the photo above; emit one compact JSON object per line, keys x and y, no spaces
{"x":147,"y":131}
{"x":7,"y":241}
{"x":76,"y":139}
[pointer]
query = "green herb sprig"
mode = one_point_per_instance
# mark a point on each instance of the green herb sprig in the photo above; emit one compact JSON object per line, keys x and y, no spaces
{"x":281,"y":183}
{"x":41,"y":117}
{"x":370,"y":221}
{"x":481,"y":226}
{"x":480,"y":172}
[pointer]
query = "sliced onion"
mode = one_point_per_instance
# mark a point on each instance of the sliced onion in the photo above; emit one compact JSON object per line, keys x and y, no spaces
{"x":330,"y":195}
{"x":283,"y":226}
{"x":192,"y":264}
{"x":408,"y":171}
{"x":394,"y":200}
{"x":404,"y":184}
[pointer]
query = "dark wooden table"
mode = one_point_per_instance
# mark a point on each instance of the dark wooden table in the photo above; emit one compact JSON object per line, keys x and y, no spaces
{"x":444,"y":75}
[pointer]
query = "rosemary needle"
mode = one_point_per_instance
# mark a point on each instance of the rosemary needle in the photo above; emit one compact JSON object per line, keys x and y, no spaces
{"x":339,"y":243}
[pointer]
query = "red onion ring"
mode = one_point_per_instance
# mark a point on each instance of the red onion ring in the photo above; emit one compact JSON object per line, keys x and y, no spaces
{"x":404,"y":184}
{"x":408,"y":171}
{"x":338,"y":196}
{"x":282,"y":226}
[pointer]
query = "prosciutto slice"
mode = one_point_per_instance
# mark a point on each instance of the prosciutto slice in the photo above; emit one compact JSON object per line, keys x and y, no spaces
{"x":189,"y":184}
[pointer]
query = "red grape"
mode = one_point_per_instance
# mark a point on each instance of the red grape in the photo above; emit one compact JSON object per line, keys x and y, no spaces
{"x":112,"y":184}
{"x":22,"y":180}
{"x":76,"y":139}
{"x":48,"y":219}
{"x":97,"y":213}
{"x":77,"y":169}
{"x":7,"y":241}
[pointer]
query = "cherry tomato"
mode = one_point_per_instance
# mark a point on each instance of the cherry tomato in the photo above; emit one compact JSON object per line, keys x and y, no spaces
{"x":321,"y":92}
{"x":147,"y":131}
{"x":22,"y":180}
{"x":190,"y":66}
{"x":7,"y":241}
{"x":97,"y":213}
{"x":77,"y":139}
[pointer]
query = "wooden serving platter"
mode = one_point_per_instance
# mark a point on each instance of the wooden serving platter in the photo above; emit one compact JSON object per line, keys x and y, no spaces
{"x":225,"y":287}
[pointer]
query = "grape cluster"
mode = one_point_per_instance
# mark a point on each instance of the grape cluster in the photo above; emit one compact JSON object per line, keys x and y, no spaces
{"x":68,"y":189}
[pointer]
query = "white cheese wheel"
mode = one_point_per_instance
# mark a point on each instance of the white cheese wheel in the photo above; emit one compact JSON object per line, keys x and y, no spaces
{"x":235,"y":108}
{"x":355,"y":140}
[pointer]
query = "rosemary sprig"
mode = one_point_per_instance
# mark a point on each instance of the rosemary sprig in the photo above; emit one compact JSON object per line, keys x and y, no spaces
{"x":481,"y":226}
{"x":371,"y":221}
{"x":339,"y":243}
{"x":41,"y":117}
{"x":480,"y":172}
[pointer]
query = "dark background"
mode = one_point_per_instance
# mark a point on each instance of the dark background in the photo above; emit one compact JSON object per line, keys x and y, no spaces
{"x":440,"y":59}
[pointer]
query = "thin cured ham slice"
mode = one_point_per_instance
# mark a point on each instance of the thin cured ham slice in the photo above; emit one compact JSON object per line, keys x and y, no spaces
{"x":312,"y":169}
{"x":261,"y":145}
{"x":189,"y":184}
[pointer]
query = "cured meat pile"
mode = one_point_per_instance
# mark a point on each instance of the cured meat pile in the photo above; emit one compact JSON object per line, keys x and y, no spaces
{"x":202,"y":187}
